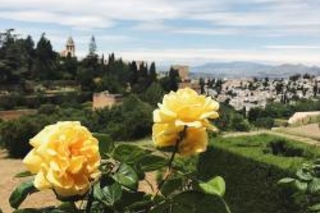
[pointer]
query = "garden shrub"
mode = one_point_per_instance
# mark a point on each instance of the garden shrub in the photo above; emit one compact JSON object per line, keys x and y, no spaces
{"x":252,"y":174}
{"x":8,"y":103}
{"x":16,"y":135}
{"x":48,"y":109}
{"x":282,"y":148}
{"x":130,"y":121}
{"x":264,"y":122}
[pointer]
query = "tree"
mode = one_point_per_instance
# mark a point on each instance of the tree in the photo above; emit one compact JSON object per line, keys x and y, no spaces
{"x":152,"y":72}
{"x":174,"y":79}
{"x":153,"y":94}
{"x":133,"y":69}
{"x":70,"y":67}
{"x":279,"y":88}
{"x":45,"y":60}
{"x":315,"y":90}
{"x":254,"y":113}
{"x":266,"y":82}
{"x":92,"y":46}
{"x":202,"y":84}
{"x":238,"y":123}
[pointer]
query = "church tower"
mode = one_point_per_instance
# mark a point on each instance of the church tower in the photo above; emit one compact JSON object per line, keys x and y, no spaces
{"x":70,"y":48}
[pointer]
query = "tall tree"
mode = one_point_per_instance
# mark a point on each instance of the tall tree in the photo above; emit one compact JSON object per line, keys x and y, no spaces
{"x":45,"y":60}
{"x":134,"y":73}
{"x":92,"y":46}
{"x":152,"y":72}
{"x":202,"y":85}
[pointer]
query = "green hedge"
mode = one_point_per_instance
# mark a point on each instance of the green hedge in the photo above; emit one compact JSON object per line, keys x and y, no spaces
{"x":252,"y":168}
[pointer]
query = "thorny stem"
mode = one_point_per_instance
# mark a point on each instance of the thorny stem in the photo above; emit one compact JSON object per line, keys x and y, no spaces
{"x":175,"y":151}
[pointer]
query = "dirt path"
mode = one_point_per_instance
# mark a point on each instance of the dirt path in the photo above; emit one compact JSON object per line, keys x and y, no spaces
{"x":10,"y":167}
{"x":281,"y":134}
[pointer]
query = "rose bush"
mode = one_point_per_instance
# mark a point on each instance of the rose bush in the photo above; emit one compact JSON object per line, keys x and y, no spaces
{"x":65,"y":158}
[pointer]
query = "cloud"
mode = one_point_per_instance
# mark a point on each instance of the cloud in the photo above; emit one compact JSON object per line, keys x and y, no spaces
{"x":199,"y":56}
{"x":144,"y":23}
{"x":85,"y":13}
{"x":76,"y":21}
{"x":228,"y":17}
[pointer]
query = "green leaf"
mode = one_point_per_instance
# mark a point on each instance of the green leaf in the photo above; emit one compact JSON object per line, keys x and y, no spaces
{"x":170,"y":186}
{"x":112,"y":193}
{"x":141,"y":174}
{"x":286,"y":180}
{"x":66,"y":205}
{"x":106,"y":145}
{"x":20,"y":193}
{"x":215,"y":186}
{"x":304,"y":175}
{"x":314,"y":185}
{"x":23,"y":174}
{"x":315,"y":208}
{"x":167,"y":149}
{"x":129,"y":154}
{"x":97,"y":192}
{"x":152,"y":162}
{"x":134,"y":201}
{"x":301,"y":186}
{"x":127,"y":177}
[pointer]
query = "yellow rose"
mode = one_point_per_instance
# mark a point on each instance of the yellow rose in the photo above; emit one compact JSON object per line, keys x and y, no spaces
{"x":65,"y":158}
{"x":194,"y":141}
{"x":184,"y":108}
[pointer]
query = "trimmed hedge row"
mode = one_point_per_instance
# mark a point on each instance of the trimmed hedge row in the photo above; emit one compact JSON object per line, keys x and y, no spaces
{"x":69,"y":99}
{"x":251,"y":167}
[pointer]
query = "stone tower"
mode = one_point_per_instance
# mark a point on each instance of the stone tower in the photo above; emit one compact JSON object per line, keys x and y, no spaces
{"x":70,"y":48}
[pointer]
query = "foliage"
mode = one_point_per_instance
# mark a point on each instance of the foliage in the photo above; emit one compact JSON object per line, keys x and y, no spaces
{"x":123,"y":167}
{"x":264,"y":122}
{"x":306,"y":186}
{"x":153,"y":94}
{"x":171,"y":82}
{"x":252,"y":171}
{"x":282,"y":148}
{"x":23,"y":129}
{"x":123,"y":122}
{"x":238,"y":123}
{"x":129,"y":121}
{"x":280,"y":110}
{"x":21,"y":59}
{"x":230,"y":120}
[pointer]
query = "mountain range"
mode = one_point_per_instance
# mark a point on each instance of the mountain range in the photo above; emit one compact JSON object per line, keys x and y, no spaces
{"x":251,"y":69}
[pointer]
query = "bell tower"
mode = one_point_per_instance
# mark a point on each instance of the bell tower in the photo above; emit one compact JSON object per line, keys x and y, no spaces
{"x":70,"y":47}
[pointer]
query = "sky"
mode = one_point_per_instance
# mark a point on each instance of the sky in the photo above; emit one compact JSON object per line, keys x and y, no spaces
{"x":190,"y":32}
